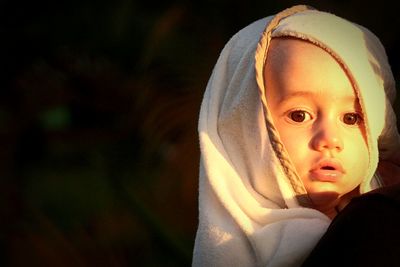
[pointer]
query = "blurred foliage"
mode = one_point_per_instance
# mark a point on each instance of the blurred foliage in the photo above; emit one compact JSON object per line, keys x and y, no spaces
{"x":98,"y":114}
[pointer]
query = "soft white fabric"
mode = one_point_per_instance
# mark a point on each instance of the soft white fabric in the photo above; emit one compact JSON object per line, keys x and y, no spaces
{"x":250,"y":208}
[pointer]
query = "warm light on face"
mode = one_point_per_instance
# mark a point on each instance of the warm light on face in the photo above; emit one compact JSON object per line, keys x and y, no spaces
{"x":318,"y":117}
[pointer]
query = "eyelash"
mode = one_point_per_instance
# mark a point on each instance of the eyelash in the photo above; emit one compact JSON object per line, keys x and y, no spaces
{"x":302,"y":117}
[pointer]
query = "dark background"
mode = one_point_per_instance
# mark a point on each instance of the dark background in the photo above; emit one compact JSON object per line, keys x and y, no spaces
{"x":98,"y":114}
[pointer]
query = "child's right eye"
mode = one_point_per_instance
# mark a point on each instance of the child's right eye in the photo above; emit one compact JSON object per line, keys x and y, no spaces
{"x":299,"y":116}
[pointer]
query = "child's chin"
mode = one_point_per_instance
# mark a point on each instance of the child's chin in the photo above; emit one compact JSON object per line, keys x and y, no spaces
{"x":322,"y":188}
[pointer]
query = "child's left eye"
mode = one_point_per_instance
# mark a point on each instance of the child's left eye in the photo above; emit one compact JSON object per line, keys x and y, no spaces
{"x":351,"y":118}
{"x":299,"y":116}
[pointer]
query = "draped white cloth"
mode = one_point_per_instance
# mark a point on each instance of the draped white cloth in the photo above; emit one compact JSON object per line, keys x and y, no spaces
{"x":252,"y":205}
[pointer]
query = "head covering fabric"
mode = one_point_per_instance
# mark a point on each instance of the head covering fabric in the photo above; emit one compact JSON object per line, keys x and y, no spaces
{"x":253,"y":208}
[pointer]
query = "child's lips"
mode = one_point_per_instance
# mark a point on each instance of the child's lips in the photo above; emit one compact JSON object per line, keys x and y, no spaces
{"x":327,"y":170}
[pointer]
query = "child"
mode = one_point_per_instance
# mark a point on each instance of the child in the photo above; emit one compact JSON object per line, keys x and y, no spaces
{"x":289,"y":129}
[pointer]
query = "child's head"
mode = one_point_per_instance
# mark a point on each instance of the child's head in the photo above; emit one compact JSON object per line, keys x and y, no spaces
{"x":319,"y":119}
{"x":294,"y":111}
{"x":330,"y":57}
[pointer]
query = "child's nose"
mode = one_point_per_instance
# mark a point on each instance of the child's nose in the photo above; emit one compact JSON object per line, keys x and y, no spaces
{"x":327,"y":137}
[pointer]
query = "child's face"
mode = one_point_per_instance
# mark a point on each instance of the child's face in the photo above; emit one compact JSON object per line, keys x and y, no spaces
{"x":318,"y":117}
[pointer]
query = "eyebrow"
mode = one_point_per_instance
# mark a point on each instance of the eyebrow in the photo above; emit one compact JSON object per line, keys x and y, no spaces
{"x":307,"y":94}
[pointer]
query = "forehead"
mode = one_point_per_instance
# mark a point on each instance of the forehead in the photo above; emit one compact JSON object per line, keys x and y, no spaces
{"x":294,"y":65}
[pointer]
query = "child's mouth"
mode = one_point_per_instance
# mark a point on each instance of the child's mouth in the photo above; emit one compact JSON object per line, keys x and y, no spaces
{"x":327,"y":170}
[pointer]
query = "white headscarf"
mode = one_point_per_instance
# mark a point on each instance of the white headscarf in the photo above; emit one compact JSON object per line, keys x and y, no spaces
{"x":252,"y":205}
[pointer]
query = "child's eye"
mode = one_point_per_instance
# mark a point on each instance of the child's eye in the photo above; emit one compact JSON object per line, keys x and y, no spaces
{"x":351,"y":118}
{"x":299,"y":116}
